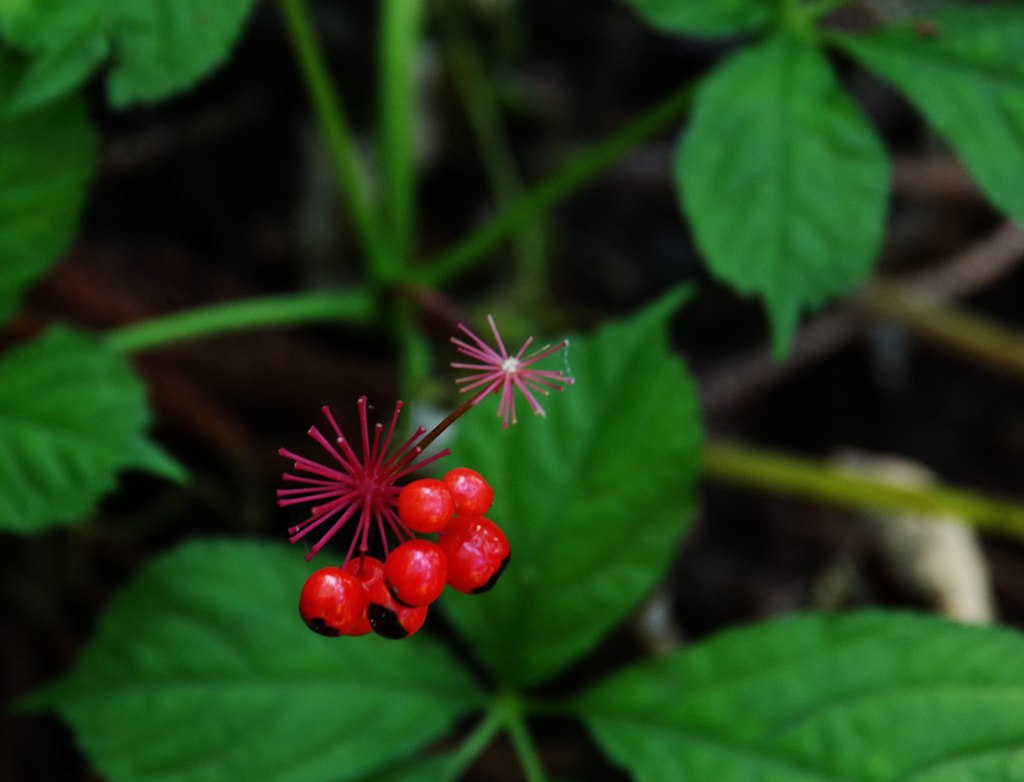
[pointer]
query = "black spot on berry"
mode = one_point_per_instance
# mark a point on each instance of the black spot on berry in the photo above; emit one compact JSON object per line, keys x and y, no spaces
{"x":394,"y":595}
{"x":318,"y":625}
{"x":385,"y":622}
{"x":494,"y":578}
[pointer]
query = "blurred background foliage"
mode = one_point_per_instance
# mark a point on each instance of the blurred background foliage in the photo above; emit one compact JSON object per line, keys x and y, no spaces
{"x":160,"y":194}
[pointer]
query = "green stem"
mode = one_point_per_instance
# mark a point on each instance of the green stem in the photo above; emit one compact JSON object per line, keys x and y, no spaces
{"x":352,"y":179}
{"x":807,"y":479}
{"x":262,"y":312}
{"x":415,"y":357}
{"x":401,"y":22}
{"x":482,"y":110}
{"x":475,"y":742}
{"x":507,"y":707}
{"x":584,"y":167}
{"x":523,"y":745}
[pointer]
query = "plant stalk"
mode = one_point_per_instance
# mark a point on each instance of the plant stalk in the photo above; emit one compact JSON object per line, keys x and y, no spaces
{"x":483,"y":112}
{"x":510,"y":709}
{"x":352,"y":179}
{"x":573,"y":175}
{"x":969,"y":334}
{"x":355,"y":306}
{"x":809,"y":480}
{"x":475,"y":742}
{"x":401,"y":22}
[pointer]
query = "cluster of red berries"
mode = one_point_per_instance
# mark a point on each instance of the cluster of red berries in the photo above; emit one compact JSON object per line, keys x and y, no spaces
{"x":391,"y":597}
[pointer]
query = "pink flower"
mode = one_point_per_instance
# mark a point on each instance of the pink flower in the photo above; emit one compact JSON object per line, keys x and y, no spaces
{"x":505,"y":373}
{"x":364,"y":488}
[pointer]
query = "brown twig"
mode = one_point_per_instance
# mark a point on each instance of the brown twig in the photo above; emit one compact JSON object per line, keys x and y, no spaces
{"x":918,"y":302}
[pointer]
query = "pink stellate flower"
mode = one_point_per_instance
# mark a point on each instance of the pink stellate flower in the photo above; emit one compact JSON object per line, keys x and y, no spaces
{"x":505,"y":373}
{"x":364,"y":488}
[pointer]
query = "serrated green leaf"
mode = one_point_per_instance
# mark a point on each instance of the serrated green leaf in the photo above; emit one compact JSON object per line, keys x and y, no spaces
{"x":783,"y":180}
{"x":45,"y":167}
{"x":701,"y":17}
{"x":865,"y":697}
{"x":202,"y":671}
{"x":72,"y":414}
{"x":967,"y":77}
{"x":155,"y":48}
{"x":593,"y":498}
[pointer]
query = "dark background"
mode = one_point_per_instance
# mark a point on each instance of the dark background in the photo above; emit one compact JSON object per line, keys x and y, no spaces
{"x":221,"y":194}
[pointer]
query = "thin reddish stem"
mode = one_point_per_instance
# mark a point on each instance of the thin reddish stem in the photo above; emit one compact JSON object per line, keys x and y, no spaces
{"x":439,"y":429}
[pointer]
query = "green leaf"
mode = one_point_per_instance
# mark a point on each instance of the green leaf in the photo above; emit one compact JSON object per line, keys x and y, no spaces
{"x":439,"y":768}
{"x":45,"y":168}
{"x":968,"y":80}
{"x":72,"y":415}
{"x":783,"y":180}
{"x":154,"y":48}
{"x":701,"y":17}
{"x":594,"y":498}
{"x":202,"y":671}
{"x":865,"y":697}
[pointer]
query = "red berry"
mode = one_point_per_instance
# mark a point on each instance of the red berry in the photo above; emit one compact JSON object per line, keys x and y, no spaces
{"x":473,"y":495}
{"x":367,"y":570}
{"x":416,"y":572}
{"x":387,"y":617}
{"x":477,"y":553}
{"x":426,"y":505}
{"x":332,"y":601}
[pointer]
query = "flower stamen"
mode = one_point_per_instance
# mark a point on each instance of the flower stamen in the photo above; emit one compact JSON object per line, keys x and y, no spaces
{"x":363,"y":487}
{"x":498,"y":372}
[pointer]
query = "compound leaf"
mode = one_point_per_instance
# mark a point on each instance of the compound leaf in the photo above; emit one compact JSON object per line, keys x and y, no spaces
{"x":783,"y":180}
{"x":965,"y":73}
{"x":594,"y":498}
{"x":72,"y":414}
{"x":154,"y":48}
{"x":202,"y":671}
{"x":700,"y":17}
{"x":45,"y":167}
{"x":866,"y":697}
